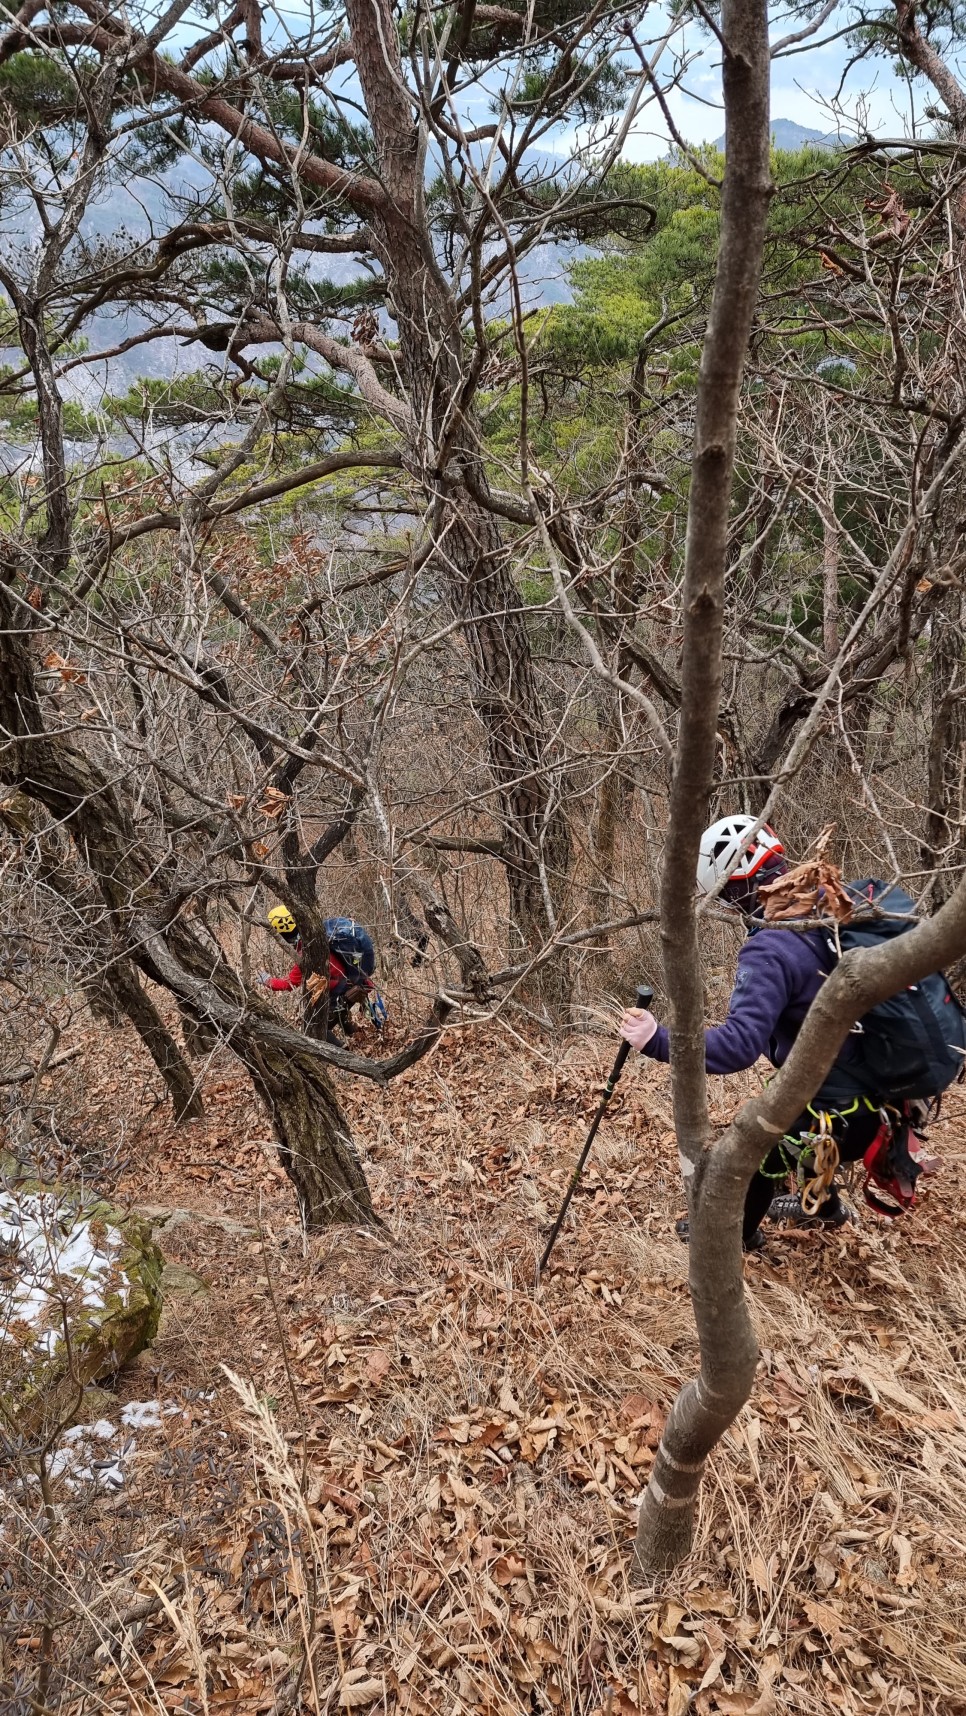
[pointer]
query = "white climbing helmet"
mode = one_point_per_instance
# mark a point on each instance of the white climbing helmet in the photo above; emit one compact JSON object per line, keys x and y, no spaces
{"x":721,"y":841}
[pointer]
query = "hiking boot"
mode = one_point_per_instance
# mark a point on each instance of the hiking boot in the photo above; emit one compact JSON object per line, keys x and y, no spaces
{"x":788,"y":1209}
{"x":683,"y":1230}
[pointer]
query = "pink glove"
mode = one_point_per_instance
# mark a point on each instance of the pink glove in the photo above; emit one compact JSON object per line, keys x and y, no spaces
{"x":638,"y":1027}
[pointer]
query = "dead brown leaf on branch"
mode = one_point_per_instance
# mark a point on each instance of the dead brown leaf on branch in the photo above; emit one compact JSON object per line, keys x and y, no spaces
{"x":812,"y":889}
{"x":55,"y":663}
{"x":273,"y":802}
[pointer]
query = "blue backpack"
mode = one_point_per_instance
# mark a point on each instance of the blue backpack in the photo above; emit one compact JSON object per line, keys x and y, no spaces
{"x":351,"y":944}
{"x":909,"y":1048}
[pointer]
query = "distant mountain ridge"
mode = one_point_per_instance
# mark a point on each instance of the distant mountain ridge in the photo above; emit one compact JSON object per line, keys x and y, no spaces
{"x":788,"y":134}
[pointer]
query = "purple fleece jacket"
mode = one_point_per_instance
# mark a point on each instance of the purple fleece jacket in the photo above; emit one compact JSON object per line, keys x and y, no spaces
{"x":780,"y":972}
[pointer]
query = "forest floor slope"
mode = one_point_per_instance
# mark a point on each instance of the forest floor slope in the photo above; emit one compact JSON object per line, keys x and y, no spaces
{"x":383,"y":1473}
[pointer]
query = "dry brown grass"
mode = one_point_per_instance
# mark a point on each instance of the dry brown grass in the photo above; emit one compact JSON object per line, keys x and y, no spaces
{"x":414,"y":1487}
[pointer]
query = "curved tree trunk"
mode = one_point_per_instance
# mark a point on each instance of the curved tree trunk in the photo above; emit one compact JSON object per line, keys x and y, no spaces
{"x":943,"y":848}
{"x":199,"y":1038}
{"x":112,"y":990}
{"x":313,"y":1135}
{"x":715,"y":1180}
{"x":103,"y":1000}
{"x":116,"y":995}
{"x":314,"y":1141}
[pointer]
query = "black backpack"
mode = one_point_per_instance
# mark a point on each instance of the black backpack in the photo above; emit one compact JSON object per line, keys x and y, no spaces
{"x":910,"y":1047}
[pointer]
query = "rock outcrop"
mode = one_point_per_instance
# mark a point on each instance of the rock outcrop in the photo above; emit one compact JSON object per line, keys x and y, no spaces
{"x":80,"y":1295}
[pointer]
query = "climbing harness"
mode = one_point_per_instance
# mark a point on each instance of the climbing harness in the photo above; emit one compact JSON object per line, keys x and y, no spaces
{"x":892,"y":1162}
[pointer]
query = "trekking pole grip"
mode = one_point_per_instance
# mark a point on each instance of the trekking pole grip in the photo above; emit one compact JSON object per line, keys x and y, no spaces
{"x":645,"y":995}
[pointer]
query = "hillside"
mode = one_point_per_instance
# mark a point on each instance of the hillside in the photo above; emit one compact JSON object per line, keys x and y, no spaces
{"x":386,"y":1470}
{"x":789,"y":135}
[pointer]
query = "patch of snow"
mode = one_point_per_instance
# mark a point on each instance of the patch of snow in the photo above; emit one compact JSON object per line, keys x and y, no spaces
{"x":110,"y":1474}
{"x":142,"y":1414}
{"x":79,"y":1462}
{"x":57,"y":1259}
{"x":103,"y":1430}
{"x":73,"y":1461}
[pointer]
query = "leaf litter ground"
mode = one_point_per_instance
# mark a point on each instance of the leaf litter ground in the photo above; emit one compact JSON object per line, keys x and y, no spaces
{"x":398,"y":1479}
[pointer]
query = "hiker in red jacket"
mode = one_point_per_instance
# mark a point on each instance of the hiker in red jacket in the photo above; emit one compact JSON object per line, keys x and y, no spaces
{"x":349,"y":983}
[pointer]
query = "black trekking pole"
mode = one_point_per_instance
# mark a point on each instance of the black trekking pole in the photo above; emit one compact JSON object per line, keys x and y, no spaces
{"x":644,"y":998}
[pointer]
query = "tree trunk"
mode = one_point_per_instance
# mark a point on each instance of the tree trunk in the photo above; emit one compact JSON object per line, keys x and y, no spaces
{"x":103,"y":1000}
{"x":943,"y":850}
{"x":157,"y":1039}
{"x":116,"y":995}
{"x":830,"y":587}
{"x":611,"y":802}
{"x":112,"y":990}
{"x":709,"y":1403}
{"x":728,"y":1350}
{"x":200,"y":1039}
{"x":313,"y":1135}
{"x":314,"y":1141}
{"x":474,"y":557}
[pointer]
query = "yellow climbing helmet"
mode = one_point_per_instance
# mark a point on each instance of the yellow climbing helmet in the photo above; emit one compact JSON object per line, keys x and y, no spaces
{"x":281,"y":920}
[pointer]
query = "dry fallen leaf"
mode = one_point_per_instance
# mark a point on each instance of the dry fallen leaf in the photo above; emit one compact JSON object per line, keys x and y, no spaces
{"x":377,"y":1366}
{"x":356,"y":1693}
{"x":903,"y":1548}
{"x":747,"y":1703}
{"x":679,"y":1698}
{"x":827,"y":1619}
{"x":712,"y":1672}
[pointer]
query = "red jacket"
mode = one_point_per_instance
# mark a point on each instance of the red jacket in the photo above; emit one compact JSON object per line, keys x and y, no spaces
{"x":337,"y":975}
{"x":292,"y":981}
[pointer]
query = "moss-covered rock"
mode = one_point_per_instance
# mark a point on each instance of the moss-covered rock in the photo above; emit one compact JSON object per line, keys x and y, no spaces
{"x":80,"y":1295}
{"x":178,"y":1278}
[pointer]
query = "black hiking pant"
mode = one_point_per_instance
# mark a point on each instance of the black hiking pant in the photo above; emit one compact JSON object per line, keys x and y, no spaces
{"x":853,"y":1134}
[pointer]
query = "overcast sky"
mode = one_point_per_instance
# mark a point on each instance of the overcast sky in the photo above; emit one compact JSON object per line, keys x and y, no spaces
{"x":805,"y":87}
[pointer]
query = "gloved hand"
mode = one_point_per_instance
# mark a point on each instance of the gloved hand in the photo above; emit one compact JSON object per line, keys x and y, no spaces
{"x":264,"y":978}
{"x":637,"y":1027}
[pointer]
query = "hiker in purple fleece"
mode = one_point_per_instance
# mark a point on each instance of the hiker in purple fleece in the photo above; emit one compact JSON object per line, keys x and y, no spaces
{"x":780,"y":972}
